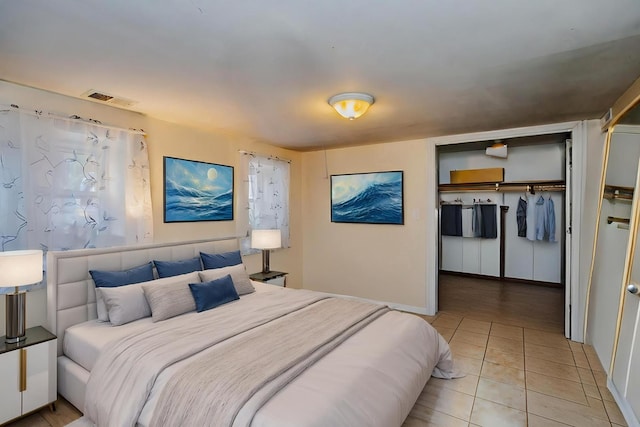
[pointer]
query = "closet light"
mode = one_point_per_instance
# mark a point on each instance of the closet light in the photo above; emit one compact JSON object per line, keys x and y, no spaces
{"x":351,"y":105}
{"x":498,"y":149}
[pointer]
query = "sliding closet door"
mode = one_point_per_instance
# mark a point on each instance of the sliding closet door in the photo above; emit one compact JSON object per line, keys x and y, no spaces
{"x":626,"y":366}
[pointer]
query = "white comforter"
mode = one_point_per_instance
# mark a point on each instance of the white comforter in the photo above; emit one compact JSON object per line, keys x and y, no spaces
{"x":372,"y":379}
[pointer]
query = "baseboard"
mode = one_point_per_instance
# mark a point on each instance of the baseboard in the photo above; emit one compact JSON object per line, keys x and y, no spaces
{"x":503,"y":279}
{"x":395,"y":306}
{"x":624,"y":406}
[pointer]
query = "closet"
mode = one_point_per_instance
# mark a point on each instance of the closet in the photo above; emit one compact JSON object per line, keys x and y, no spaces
{"x":534,"y":171}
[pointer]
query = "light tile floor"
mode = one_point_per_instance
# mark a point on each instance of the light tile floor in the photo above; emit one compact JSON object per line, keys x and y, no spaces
{"x":519,"y":372}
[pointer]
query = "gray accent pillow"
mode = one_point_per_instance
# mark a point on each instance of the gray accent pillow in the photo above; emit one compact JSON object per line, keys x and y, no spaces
{"x":171,"y":296}
{"x":125,"y":303}
{"x":241,"y":280}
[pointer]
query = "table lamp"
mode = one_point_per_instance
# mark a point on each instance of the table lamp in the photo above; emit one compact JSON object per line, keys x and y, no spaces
{"x":18,"y":268}
{"x":265,"y":240}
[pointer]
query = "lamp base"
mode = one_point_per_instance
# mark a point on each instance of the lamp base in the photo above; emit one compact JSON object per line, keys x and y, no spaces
{"x":265,"y":261}
{"x":15,"y":313}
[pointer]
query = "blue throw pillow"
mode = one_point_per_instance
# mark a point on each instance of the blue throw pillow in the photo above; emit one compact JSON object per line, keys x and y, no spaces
{"x":226,"y":259}
{"x":175,"y":268}
{"x":211,"y":294}
{"x":112,"y":279}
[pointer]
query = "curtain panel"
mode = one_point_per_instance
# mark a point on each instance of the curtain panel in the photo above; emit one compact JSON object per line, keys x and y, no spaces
{"x":263,"y":198}
{"x":70,"y":184}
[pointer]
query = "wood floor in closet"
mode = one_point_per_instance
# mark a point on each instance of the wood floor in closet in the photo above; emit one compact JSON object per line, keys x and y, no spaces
{"x":511,"y":303}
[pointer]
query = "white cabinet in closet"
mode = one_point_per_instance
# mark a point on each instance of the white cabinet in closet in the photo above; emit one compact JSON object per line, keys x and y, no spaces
{"x":471,"y":255}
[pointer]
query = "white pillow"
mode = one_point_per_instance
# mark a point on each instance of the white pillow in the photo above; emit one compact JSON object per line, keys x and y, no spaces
{"x":101,"y":307}
{"x":170,"y":296}
{"x":125,"y":303}
{"x":238,"y":274}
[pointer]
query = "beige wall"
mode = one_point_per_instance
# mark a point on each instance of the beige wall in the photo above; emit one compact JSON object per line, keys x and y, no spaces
{"x":169,"y":139}
{"x":380,"y":262}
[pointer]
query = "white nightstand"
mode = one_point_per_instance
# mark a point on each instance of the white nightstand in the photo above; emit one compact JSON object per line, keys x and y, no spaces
{"x":28,"y":374}
{"x":278,"y":278}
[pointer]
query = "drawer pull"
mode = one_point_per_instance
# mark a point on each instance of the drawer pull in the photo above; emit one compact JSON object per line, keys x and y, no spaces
{"x":23,"y":369}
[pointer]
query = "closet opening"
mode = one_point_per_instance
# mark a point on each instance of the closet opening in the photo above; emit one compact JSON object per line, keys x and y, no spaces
{"x":504,"y":228}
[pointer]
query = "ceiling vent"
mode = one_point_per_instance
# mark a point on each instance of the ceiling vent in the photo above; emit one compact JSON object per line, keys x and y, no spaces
{"x":101,"y":96}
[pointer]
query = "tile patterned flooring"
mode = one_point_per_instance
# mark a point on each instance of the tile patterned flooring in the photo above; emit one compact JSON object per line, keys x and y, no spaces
{"x":520,"y":369}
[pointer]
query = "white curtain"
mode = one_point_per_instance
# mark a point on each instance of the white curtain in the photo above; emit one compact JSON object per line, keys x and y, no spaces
{"x":263,"y":198}
{"x":68,"y":183}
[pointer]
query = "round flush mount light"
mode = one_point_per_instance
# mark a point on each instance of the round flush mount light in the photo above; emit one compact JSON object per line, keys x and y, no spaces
{"x":351,"y":105}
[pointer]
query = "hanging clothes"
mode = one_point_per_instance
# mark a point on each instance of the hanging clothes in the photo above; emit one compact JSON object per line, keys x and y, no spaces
{"x":467,"y":222}
{"x":551,"y":220}
{"x":451,"y":220}
{"x":489,"y":221}
{"x":531,"y":218}
{"x":541,"y":219}
{"x":521,"y":217}
{"x":477,"y":220}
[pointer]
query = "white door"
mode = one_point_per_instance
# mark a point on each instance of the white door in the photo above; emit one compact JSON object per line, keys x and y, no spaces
{"x":568,"y":214}
{"x":625,"y":377}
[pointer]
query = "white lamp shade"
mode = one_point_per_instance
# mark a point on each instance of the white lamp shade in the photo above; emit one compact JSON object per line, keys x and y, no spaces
{"x":266,"y":239}
{"x":18,"y":268}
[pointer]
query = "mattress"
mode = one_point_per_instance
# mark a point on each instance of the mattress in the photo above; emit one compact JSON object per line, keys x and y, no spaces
{"x":82,"y":342}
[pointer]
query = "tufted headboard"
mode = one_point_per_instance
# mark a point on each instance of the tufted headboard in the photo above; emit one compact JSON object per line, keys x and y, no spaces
{"x":71,"y":297}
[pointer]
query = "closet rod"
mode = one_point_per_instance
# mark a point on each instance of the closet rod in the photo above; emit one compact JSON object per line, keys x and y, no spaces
{"x":505,"y":186}
{"x":612,"y":192}
{"x":611,"y":219}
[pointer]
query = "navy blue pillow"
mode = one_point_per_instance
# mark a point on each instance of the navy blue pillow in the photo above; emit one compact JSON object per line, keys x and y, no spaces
{"x":175,"y":268}
{"x":112,"y":279}
{"x":226,"y":259}
{"x":211,"y":294}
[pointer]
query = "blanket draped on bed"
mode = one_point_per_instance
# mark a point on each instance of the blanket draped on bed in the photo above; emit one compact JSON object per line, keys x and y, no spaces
{"x":212,"y":390}
{"x":125,"y":372}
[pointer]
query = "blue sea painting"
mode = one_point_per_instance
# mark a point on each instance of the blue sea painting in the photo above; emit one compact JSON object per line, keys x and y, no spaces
{"x":197,"y":191}
{"x":374,"y":198}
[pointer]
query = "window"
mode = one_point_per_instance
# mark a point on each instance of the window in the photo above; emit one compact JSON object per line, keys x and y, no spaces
{"x":263,"y":198}
{"x":69,"y":184}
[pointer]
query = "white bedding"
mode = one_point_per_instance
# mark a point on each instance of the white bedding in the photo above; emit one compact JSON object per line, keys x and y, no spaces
{"x":374,"y":375}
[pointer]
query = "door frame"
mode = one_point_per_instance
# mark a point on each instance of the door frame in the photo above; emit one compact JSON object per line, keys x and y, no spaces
{"x":574,"y":306}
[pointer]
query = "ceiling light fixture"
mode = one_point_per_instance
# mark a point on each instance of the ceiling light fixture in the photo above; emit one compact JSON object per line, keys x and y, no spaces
{"x":351,"y":105}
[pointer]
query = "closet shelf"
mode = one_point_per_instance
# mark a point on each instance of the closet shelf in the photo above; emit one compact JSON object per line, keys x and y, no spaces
{"x":522,"y":186}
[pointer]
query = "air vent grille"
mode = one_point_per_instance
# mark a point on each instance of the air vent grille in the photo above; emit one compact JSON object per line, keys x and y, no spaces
{"x":108,"y":99}
{"x":100,"y":96}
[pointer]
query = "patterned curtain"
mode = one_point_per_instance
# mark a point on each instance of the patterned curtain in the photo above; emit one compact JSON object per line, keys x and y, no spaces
{"x":69,"y":184}
{"x":263,"y":198}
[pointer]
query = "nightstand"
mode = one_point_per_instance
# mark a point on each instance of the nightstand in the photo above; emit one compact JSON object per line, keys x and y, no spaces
{"x":28,"y":374}
{"x":278,"y":278}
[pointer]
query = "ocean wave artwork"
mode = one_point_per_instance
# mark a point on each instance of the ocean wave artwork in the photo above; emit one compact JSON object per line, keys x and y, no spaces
{"x":374,"y":198}
{"x":197,"y":191}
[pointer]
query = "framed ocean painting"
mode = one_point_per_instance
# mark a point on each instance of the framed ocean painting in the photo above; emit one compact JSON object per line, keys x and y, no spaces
{"x":197,"y":191}
{"x":370,"y":198}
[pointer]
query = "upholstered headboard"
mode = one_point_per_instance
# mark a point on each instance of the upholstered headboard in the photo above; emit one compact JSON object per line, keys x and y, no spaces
{"x":71,"y":297}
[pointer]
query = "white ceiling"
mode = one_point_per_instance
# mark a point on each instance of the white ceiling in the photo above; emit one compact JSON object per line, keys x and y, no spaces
{"x":264,"y":69}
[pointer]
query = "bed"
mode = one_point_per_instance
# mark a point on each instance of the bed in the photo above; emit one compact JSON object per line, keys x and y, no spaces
{"x":370,"y":372}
